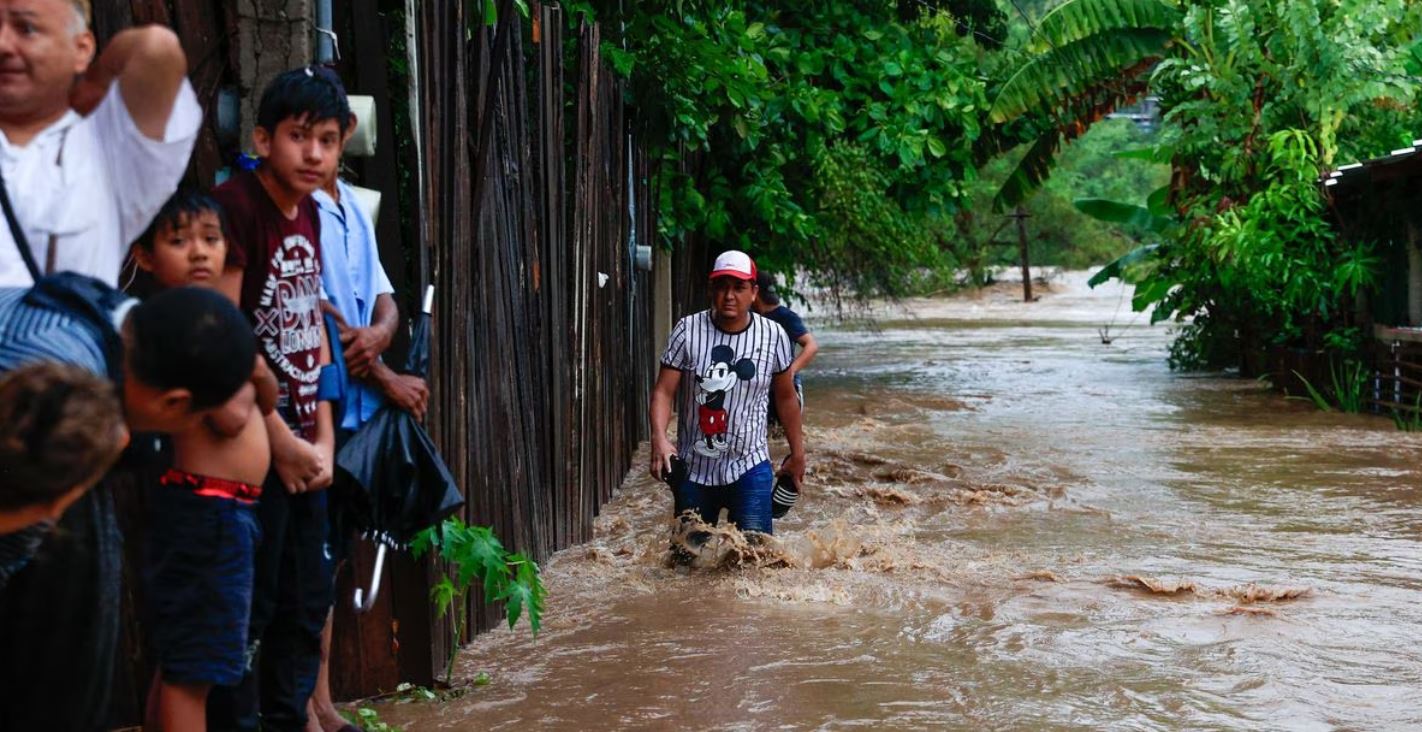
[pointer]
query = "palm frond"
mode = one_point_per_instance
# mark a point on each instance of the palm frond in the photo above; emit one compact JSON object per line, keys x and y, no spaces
{"x":1077,"y":20}
{"x":1049,"y":80}
{"x":1031,"y":171}
{"x":1076,"y":117}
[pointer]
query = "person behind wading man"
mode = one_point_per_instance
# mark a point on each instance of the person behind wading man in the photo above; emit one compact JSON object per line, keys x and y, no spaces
{"x":727,"y":362}
{"x":276,"y":237}
{"x":90,"y":148}
{"x":767,"y":303}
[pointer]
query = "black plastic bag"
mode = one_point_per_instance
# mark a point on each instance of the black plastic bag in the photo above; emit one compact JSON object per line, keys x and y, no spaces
{"x":403,"y":485}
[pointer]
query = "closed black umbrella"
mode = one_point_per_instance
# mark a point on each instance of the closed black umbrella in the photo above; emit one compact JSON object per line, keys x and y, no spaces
{"x":405,"y":487}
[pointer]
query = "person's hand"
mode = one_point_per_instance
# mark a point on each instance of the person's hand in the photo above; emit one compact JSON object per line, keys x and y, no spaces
{"x":299,"y":465}
{"x":662,"y":453}
{"x":86,"y":95}
{"x":409,"y":393}
{"x":794,"y":465}
{"x":362,"y":346}
{"x":327,"y":474}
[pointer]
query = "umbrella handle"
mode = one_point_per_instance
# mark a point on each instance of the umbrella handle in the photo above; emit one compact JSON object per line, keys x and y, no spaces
{"x":364,"y":603}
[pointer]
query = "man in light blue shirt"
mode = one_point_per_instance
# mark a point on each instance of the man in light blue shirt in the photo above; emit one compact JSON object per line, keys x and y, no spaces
{"x":360,"y":292}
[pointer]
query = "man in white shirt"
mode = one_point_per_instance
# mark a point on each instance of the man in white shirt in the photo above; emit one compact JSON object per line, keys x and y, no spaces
{"x":90,"y":148}
{"x":86,"y":164}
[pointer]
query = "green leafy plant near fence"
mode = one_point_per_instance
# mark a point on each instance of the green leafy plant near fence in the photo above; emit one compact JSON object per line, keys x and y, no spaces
{"x":474,"y":553}
{"x":1409,"y":420}
{"x":367,"y":719}
{"x":1348,"y":389}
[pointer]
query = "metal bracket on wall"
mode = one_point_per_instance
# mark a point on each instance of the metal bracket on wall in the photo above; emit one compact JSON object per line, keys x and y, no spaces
{"x":335,"y":41}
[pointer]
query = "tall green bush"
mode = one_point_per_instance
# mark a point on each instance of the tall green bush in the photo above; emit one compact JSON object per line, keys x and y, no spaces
{"x":820,"y":137}
{"x":1261,"y":98}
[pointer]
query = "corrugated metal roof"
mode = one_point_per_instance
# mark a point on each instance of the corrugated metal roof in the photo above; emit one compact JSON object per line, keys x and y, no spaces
{"x":1364,"y":170}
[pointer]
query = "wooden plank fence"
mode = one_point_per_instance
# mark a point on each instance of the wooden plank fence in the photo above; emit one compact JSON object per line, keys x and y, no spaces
{"x":1392,"y":368}
{"x":1397,"y":377}
{"x":543,"y":355}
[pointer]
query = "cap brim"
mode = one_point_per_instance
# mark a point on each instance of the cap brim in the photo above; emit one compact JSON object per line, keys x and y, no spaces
{"x":731,"y":273}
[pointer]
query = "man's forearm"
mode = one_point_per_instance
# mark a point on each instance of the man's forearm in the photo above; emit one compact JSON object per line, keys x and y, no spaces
{"x":278,"y":430}
{"x":659,"y":414}
{"x":808,"y":349}
{"x":801,"y":361}
{"x":385,"y":319}
{"x":379,"y":377}
{"x":787,"y":409}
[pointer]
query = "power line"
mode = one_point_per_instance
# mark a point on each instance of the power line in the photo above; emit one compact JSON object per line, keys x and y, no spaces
{"x":1032,"y":26}
{"x":999,"y":42}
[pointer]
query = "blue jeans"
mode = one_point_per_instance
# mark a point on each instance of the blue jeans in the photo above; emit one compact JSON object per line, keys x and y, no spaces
{"x":747,"y":500}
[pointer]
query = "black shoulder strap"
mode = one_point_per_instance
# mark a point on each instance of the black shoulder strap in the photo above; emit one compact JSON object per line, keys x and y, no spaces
{"x":92,"y":305}
{"x":21,"y":242}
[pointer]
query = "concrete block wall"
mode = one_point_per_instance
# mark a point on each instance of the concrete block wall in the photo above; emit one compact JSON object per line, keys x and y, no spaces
{"x":272,"y":36}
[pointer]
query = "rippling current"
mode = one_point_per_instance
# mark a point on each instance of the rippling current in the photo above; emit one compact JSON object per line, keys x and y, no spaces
{"x":1007,"y":525}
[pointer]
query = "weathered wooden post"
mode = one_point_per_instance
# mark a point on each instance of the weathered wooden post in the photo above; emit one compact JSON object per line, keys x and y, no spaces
{"x":1021,"y":216}
{"x":661,"y":296}
{"x":1414,"y":277}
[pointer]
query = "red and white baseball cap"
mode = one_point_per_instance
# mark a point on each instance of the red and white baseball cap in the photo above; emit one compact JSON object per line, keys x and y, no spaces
{"x":734,"y":264}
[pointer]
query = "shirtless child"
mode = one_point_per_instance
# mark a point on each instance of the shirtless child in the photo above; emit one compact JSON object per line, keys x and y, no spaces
{"x":203,"y":529}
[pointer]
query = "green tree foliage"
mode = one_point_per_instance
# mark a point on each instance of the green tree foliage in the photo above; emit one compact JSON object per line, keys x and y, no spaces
{"x":1261,"y":97}
{"x":820,"y":137}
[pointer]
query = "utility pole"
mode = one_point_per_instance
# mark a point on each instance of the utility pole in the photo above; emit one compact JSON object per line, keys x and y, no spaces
{"x":1021,"y":217}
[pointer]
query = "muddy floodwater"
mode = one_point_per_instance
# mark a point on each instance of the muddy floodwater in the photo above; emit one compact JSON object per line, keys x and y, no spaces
{"x":1007,"y":525}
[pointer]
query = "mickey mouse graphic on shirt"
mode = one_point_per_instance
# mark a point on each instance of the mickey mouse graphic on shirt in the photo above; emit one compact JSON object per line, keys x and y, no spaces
{"x":711,"y":388}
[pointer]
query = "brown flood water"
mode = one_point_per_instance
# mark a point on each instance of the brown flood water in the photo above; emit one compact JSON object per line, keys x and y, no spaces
{"x":1007,"y":525}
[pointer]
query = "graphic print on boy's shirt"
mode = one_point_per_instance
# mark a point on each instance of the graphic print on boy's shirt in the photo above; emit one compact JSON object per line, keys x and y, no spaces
{"x":281,"y":291}
{"x":288,"y":320}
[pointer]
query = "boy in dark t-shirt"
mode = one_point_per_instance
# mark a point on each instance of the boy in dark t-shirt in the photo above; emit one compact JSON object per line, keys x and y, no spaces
{"x":767,"y":304}
{"x":276,"y":239}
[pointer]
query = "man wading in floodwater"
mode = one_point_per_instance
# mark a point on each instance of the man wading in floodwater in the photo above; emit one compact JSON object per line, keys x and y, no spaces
{"x":734,"y":362}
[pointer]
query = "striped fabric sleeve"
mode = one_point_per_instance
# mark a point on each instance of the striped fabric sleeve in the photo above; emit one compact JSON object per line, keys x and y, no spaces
{"x":675,"y":355}
{"x":31,"y":335}
{"x":784,"y":353}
